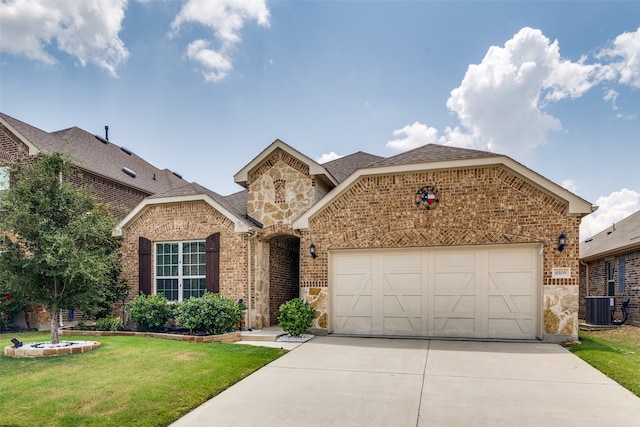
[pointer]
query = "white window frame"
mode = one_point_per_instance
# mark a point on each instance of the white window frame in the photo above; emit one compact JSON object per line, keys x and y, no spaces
{"x":5,"y":178}
{"x":184,"y":270}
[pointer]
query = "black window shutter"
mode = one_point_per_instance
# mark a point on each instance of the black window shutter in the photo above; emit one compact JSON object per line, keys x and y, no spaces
{"x":144,"y":265}
{"x":212,"y":269}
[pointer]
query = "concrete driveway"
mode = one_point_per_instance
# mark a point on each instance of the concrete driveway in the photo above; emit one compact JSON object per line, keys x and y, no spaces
{"x":339,"y":381}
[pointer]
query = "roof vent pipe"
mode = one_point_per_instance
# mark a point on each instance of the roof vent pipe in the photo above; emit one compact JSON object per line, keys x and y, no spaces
{"x":106,"y":133}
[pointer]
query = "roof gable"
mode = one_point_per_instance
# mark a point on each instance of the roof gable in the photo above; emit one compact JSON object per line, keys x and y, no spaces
{"x":620,"y":237}
{"x":437,"y":157}
{"x":315,"y":169}
{"x":230,"y":206}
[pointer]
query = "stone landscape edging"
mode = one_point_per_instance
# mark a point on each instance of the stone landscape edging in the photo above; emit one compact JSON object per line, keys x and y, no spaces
{"x":229,"y":337}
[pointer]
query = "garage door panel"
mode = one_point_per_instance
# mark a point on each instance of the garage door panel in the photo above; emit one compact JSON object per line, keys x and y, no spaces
{"x":479,"y":292}
{"x":403,"y":326}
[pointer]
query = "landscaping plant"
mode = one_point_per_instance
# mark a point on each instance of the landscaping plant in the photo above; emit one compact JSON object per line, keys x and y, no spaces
{"x":149,"y":312}
{"x":57,"y":248}
{"x":211,"y":314}
{"x":296,"y":317}
{"x":109,"y":324}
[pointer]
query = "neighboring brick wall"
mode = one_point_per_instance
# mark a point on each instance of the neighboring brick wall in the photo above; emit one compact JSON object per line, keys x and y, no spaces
{"x":187,"y":221}
{"x":284,"y":254}
{"x":598,"y":285}
{"x":120,"y":198}
{"x":10,"y":147}
{"x":484,"y":205}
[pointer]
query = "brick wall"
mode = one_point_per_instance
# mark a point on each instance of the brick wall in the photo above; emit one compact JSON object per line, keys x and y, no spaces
{"x":284,"y":254}
{"x":598,"y":284}
{"x":187,"y":221}
{"x":484,"y":205}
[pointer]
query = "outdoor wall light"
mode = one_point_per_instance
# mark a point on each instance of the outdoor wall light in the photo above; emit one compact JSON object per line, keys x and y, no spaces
{"x":562,"y":240}
{"x":312,"y":250}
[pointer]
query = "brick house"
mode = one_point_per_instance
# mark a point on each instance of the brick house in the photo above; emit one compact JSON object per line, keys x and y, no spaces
{"x":610,"y":266}
{"x":114,"y":174}
{"x":435,"y":242}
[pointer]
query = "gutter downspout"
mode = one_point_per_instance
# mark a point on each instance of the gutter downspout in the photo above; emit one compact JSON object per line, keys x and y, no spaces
{"x":250,"y":236}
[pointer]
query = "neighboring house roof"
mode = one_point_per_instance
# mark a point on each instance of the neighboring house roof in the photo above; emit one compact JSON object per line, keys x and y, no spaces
{"x":344,"y":166}
{"x":621,"y":237}
{"x":438,"y":157}
{"x":315,"y":169}
{"x":95,"y":155}
{"x":232,"y":206}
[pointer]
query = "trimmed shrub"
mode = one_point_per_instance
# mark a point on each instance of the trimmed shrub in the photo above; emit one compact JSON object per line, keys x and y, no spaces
{"x":109,"y":324}
{"x":296,"y":317}
{"x":149,"y":312}
{"x":211,"y":314}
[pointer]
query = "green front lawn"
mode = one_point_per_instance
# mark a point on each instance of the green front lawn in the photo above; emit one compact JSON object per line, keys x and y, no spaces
{"x":130,"y":381}
{"x":616,"y":353}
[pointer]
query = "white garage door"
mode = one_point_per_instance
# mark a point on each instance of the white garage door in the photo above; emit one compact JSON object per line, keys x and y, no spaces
{"x":471,"y":292}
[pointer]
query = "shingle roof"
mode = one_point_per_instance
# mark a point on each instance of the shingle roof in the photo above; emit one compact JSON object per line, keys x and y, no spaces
{"x":235,"y":203}
{"x":92,"y":154}
{"x":619,"y":237}
{"x":341,"y":168}
{"x":432,"y":153}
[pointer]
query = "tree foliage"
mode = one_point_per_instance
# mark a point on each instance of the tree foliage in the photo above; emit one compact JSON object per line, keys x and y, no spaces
{"x":57,"y":245}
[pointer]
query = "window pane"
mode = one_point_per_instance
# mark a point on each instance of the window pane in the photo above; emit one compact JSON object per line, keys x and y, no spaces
{"x":168,"y":288}
{"x":193,"y":258}
{"x":193,"y":288}
{"x":167,"y":259}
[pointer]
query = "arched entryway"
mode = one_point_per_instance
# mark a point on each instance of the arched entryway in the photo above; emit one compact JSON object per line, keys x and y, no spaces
{"x":284,"y":273}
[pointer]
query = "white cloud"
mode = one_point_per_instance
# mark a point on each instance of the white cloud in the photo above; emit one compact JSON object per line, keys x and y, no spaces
{"x":611,"y":95}
{"x":413,"y":136}
{"x":626,"y":48}
{"x":225,"y":18}
{"x":612,"y":208}
{"x":86,"y":30}
{"x":568,"y":184}
{"x":500,"y":102}
{"x":327,"y":157}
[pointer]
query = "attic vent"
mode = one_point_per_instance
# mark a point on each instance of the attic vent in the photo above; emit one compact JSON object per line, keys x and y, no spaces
{"x":101,"y":139}
{"x":177,"y":174}
{"x":126,"y":150}
{"x":129,"y":172}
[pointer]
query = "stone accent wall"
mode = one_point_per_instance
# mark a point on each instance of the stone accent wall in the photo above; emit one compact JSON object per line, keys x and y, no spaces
{"x":279,"y":190}
{"x":598,"y":285}
{"x":192,"y":221}
{"x":484,"y":205}
{"x":283,"y":274}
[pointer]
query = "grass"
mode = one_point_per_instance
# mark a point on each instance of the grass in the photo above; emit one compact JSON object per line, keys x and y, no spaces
{"x":615,"y":352}
{"x":132,"y":381}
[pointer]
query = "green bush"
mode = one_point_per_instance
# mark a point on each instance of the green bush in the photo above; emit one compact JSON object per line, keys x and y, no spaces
{"x":211,"y":314}
{"x":109,"y":324}
{"x":296,"y":316}
{"x":149,"y":312}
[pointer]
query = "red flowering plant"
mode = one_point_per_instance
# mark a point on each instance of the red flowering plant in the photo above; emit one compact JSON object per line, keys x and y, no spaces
{"x":9,"y":307}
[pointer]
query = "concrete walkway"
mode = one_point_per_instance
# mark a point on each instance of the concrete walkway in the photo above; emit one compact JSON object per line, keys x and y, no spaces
{"x":339,"y":381}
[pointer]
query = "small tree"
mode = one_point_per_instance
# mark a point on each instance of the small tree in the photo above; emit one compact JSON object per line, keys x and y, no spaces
{"x":56,"y":241}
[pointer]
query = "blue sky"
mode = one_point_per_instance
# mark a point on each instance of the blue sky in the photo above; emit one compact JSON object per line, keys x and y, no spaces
{"x":201,"y":87}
